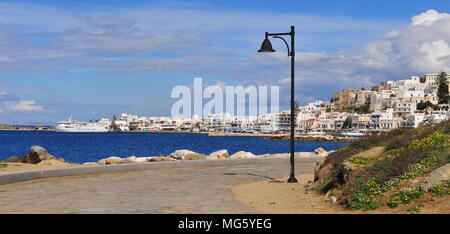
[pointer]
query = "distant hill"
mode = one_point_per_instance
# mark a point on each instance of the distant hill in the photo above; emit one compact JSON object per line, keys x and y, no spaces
{"x":403,"y":169}
{"x":5,"y":126}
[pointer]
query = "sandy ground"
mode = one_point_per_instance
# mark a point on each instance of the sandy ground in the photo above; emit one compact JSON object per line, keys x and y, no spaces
{"x":279,"y":197}
{"x":26,"y":166}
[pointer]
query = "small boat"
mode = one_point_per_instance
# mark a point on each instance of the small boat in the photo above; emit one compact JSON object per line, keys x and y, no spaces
{"x":352,"y":134}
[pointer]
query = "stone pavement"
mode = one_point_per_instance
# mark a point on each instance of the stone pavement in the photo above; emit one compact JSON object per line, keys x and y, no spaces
{"x":198,"y":190}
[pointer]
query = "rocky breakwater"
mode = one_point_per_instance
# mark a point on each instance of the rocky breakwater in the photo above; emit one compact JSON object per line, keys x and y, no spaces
{"x":39,"y":158}
{"x":185,"y":155}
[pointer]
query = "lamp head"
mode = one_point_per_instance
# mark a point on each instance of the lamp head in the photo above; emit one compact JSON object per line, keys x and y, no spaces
{"x":266,"y":46}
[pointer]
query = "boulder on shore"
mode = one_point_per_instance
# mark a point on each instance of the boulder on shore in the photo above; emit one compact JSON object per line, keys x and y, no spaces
{"x":159,"y":159}
{"x":114,"y":160}
{"x":243,"y":154}
{"x":131,"y":159}
{"x":13,"y":159}
{"x":321,"y":152}
{"x":101,"y":162}
{"x":194,"y":156}
{"x":179,"y":154}
{"x":36,"y":155}
{"x":141,"y":160}
{"x":54,"y":162}
{"x":221,"y":154}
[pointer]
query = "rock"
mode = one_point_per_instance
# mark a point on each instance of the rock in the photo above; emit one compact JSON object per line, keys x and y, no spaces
{"x":141,"y":160}
{"x":321,"y":152}
{"x":37,"y":154}
{"x":243,"y":154}
{"x":284,"y":155}
{"x":159,"y":159}
{"x":436,"y":176}
{"x":131,"y":159}
{"x":194,"y":156}
{"x":114,"y":160}
{"x":13,"y":159}
{"x":90,"y":164}
{"x":101,"y":162}
{"x":330,"y":197}
{"x":221,"y":154}
{"x":323,"y":172}
{"x":179,"y":154}
{"x":319,"y":165}
{"x":349,"y":170}
{"x":53,"y":162}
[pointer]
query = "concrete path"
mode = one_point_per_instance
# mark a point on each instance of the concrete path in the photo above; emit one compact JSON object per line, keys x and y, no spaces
{"x":203,"y":189}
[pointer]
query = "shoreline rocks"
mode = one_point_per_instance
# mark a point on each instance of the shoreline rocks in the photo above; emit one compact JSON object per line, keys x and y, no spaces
{"x":13,"y":159}
{"x":39,"y":155}
{"x":36,"y":155}
{"x":243,"y":154}
{"x":320,"y":151}
{"x":194,"y":156}
{"x":221,"y":154}
{"x":180,"y":154}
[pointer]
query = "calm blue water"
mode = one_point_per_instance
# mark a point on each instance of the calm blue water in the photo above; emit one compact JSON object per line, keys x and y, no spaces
{"x":87,"y":147}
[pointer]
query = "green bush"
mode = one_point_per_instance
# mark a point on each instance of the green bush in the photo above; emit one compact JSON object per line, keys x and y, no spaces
{"x":3,"y":165}
{"x":361,"y":201}
{"x":413,"y":210}
{"x":441,"y":188}
{"x":365,"y":198}
{"x":404,"y":197}
{"x":363,"y":160}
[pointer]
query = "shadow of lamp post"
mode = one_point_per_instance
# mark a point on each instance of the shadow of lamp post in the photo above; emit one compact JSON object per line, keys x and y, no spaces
{"x":266,"y":47}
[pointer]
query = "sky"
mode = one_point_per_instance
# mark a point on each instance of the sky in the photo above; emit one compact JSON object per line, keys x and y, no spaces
{"x":93,"y":59}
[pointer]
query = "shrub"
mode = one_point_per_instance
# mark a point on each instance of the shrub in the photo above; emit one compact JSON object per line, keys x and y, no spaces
{"x":360,"y":201}
{"x":404,"y":197}
{"x":413,"y":210}
{"x":3,"y":165}
{"x":363,"y":160}
{"x":365,"y":198}
{"x":441,"y":188}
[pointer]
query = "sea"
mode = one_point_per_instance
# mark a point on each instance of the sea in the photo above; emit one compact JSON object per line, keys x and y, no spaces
{"x":90,"y":147}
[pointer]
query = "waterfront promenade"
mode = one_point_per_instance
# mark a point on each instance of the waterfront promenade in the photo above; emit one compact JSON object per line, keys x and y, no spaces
{"x":193,"y":189}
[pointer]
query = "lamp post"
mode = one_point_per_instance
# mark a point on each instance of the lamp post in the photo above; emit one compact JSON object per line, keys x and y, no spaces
{"x":267,"y":47}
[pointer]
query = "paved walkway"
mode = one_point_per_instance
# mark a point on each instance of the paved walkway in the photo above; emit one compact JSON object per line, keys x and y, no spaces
{"x":174,"y":190}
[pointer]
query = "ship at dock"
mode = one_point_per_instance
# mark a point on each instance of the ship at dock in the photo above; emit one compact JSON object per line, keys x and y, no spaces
{"x":77,"y":126}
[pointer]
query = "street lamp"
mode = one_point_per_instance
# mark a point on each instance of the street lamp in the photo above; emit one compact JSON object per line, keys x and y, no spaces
{"x":266,"y":47}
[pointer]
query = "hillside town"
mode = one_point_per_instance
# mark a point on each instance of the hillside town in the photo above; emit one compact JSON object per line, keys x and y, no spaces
{"x":389,"y":105}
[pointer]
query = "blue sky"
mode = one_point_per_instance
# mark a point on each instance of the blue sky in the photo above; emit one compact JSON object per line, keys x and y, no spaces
{"x":93,"y":59}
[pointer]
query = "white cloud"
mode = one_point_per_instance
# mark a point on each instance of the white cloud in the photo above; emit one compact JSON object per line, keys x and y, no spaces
{"x":418,"y":48}
{"x":92,"y":39}
{"x":224,"y":41}
{"x":23,"y":106}
{"x":428,"y":18}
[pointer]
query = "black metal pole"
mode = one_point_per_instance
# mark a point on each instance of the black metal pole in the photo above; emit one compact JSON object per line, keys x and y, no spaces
{"x":292,"y":178}
{"x":267,"y":47}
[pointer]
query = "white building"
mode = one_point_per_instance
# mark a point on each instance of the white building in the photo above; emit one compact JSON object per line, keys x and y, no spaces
{"x":414,"y":120}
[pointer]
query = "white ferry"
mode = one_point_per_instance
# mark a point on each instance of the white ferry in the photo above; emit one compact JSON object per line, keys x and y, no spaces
{"x":75,"y":126}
